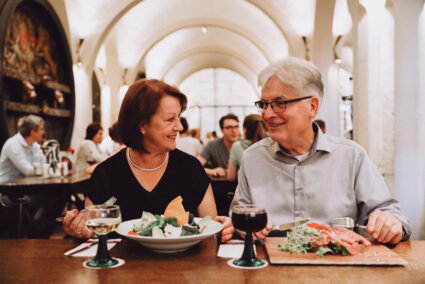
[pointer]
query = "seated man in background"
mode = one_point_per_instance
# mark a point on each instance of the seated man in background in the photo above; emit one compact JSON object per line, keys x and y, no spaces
{"x":300,"y":172}
{"x":215,"y":155}
{"x":18,"y":155}
{"x":187,"y":143}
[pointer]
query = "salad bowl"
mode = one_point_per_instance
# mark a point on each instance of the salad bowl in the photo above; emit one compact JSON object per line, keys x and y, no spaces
{"x":168,"y":244}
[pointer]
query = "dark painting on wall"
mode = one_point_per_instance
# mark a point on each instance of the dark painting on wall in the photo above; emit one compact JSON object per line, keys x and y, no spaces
{"x":36,"y":69}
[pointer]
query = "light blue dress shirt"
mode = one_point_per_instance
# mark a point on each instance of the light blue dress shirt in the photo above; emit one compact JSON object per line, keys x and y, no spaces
{"x":17,"y":158}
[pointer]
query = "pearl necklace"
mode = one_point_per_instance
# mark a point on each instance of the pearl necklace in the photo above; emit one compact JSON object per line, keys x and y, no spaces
{"x":143,"y":169}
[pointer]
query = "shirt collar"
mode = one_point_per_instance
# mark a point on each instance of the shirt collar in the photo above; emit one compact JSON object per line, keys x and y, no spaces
{"x":22,"y":141}
{"x":320,"y":143}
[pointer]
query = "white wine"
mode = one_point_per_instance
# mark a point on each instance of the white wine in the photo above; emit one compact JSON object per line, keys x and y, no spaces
{"x":103,"y":225}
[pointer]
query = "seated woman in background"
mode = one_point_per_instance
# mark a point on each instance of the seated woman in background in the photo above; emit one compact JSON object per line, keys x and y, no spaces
{"x":150,"y":172}
{"x":89,"y":154}
{"x":254,"y":130}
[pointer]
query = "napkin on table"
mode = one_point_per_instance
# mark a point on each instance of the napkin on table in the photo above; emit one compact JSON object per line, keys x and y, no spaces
{"x":91,"y":251}
{"x":232,"y":249}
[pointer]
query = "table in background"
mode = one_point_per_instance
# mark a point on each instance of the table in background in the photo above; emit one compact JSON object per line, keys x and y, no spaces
{"x":17,"y":188}
{"x":31,"y":260}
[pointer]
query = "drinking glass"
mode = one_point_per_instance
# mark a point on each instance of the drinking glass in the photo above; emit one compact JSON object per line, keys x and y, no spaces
{"x":102,"y":219}
{"x":249,"y":219}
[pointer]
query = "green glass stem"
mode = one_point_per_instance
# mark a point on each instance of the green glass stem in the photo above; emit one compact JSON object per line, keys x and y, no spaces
{"x":248,"y":258}
{"x":102,"y":258}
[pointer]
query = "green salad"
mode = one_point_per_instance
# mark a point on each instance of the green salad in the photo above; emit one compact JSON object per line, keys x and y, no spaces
{"x":301,"y":241}
{"x":156,"y":226}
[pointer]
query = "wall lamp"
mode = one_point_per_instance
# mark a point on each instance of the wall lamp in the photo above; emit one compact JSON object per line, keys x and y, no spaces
{"x":337,"y":60}
{"x":307,"y":57}
{"x":80,"y":43}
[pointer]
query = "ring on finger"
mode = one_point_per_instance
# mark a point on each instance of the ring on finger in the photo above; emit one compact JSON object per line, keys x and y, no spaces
{"x":77,"y":232}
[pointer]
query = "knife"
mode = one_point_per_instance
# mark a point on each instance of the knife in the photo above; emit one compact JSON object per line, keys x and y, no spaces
{"x":286,"y":226}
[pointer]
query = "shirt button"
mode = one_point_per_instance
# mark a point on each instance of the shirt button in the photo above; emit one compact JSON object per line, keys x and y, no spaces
{"x":299,"y":188}
{"x":297,"y":213}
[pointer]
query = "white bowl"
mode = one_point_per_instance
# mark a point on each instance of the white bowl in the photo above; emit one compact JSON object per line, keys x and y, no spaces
{"x":168,"y":244}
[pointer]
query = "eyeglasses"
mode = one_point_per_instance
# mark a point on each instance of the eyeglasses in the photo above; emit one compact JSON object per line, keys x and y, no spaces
{"x":231,"y":127}
{"x":277,"y":106}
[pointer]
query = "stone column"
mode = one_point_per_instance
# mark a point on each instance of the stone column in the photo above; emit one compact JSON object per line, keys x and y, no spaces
{"x":373,"y":73}
{"x":322,"y":56}
{"x":409,"y":108}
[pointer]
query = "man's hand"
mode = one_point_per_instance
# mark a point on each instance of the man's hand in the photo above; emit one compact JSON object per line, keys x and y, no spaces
{"x":384,"y":227}
{"x":260,"y":234}
{"x":264,"y":232}
{"x":217,"y":172}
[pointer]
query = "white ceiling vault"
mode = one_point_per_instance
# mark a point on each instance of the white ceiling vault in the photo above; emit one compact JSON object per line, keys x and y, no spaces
{"x":162,"y":37}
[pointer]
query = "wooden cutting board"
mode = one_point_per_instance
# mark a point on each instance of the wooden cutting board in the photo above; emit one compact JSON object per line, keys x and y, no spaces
{"x":377,"y":254}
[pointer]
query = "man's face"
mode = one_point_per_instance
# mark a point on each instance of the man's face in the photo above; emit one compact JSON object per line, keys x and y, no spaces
{"x":38,"y":134}
{"x":230,"y":130}
{"x":287,"y":127}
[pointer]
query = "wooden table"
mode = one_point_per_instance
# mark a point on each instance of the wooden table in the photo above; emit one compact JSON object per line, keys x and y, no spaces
{"x":42,"y":261}
{"x":17,"y":188}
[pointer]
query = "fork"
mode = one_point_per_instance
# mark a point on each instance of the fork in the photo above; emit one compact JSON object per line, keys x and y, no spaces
{"x":108,"y":202}
{"x":345,"y":222}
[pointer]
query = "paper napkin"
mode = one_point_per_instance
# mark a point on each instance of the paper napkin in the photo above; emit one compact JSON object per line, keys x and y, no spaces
{"x":232,"y":249}
{"x":90,"y":251}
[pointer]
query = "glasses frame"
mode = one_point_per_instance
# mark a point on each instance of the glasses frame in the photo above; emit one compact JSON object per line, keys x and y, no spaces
{"x":273,"y":104}
{"x":229,"y":127}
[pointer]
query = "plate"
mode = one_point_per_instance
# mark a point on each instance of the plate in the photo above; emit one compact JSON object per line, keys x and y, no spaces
{"x":168,"y":245}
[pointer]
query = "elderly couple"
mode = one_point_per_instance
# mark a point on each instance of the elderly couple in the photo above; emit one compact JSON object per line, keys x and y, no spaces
{"x":297,"y":172}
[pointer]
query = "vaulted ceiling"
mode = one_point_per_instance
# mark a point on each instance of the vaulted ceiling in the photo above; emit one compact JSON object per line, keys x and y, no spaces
{"x":171,"y":39}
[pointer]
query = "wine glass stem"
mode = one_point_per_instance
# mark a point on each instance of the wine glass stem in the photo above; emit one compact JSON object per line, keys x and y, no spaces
{"x":248,"y":251}
{"x":102,"y":255}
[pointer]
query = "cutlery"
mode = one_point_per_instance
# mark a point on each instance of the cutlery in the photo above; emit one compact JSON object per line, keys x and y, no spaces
{"x":77,"y":250}
{"x":108,"y":202}
{"x":345,"y":222}
{"x":289,"y":225}
{"x":87,"y":245}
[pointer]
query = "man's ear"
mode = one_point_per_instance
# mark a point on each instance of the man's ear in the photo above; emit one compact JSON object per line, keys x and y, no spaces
{"x":314,"y":106}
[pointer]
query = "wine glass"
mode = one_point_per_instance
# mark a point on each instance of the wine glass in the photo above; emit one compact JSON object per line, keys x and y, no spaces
{"x":102,"y":219}
{"x":249,"y":219}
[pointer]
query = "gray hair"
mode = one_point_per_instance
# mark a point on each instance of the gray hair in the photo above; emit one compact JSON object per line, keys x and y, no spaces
{"x":28,"y":123}
{"x":297,"y":73}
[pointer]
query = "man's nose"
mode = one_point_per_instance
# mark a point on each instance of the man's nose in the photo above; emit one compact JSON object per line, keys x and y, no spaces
{"x":268,"y":111}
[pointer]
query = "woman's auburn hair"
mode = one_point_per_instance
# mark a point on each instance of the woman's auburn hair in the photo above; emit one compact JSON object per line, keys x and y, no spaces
{"x":140,"y":103}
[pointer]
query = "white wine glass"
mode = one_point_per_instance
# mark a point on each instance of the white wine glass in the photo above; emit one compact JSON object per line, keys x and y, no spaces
{"x":102,"y":220}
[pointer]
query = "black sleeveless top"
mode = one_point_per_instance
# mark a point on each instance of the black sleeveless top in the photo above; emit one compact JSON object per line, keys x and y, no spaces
{"x":183,"y":176}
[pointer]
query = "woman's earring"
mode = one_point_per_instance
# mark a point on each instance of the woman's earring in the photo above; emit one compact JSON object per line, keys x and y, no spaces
{"x":143,"y":132}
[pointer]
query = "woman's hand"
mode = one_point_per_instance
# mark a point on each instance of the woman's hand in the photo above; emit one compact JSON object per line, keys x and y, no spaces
{"x":73,"y":225}
{"x":228,"y":229}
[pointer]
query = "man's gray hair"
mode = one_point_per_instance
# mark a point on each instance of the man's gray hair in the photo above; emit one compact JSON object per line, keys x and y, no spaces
{"x":297,"y":73}
{"x":28,"y":123}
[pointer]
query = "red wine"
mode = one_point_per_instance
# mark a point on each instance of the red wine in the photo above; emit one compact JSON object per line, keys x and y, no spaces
{"x":249,"y":219}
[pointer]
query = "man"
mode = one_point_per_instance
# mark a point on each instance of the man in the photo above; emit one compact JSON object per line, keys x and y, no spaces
{"x":300,"y":172}
{"x":22,"y":150}
{"x":186,"y":142}
{"x":215,"y":154}
{"x":17,"y":158}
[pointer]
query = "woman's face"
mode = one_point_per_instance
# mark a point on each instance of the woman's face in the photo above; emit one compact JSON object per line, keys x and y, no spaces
{"x":98,"y":137}
{"x":161,"y":132}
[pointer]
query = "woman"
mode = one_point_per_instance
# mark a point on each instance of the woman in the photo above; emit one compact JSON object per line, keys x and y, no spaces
{"x":150,"y":172}
{"x":254,"y":130}
{"x":89,"y":154}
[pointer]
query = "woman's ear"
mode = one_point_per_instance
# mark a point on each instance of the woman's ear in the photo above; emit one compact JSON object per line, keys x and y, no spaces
{"x":142,"y":129}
